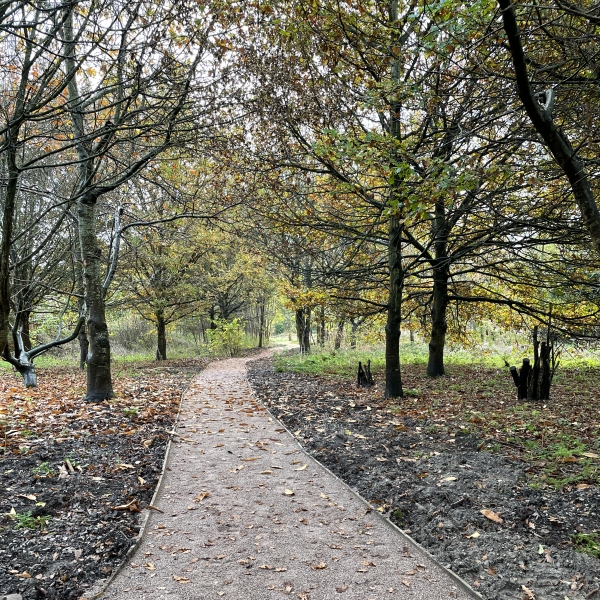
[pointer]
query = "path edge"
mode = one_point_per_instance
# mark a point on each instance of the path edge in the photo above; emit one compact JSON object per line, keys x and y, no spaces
{"x":456,"y":578}
{"x":101,"y":586}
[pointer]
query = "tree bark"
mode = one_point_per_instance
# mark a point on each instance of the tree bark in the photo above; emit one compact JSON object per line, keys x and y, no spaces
{"x":339,"y":334}
{"x":303,"y":329}
{"x":161,"y":330}
{"x":393,"y":378}
{"x":99,"y":382}
{"x":25,"y":319}
{"x":321,"y":334}
{"x":439,"y":325}
{"x":261,"y":327}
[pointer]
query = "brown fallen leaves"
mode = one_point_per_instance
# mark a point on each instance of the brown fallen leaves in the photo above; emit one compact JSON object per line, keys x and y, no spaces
{"x":492,"y":516}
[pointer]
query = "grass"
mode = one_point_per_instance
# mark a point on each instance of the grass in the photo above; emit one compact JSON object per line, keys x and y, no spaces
{"x":43,"y":469}
{"x":587,"y":543}
{"x":26,"y":521}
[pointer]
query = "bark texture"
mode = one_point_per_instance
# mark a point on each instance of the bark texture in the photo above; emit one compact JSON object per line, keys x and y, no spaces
{"x":161,"y":330}
{"x":393,"y":378}
{"x":303,"y":326}
{"x":99,"y":382}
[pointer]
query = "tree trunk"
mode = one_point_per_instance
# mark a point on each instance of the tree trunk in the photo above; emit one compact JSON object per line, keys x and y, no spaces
{"x":354,"y":332}
{"x":439,"y":325}
{"x":99,"y":382}
{"x":393,"y":378}
{"x":322,"y":332}
{"x":27,"y":371}
{"x":161,"y":329}
{"x":303,"y":329}
{"x":261,"y":327}
{"x":339,"y":334}
{"x":84,"y":346}
{"x":10,"y":196}
{"x":26,"y":329}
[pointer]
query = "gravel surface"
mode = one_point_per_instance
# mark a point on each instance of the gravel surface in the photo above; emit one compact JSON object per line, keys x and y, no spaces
{"x":245,"y":514}
{"x":436,"y":486}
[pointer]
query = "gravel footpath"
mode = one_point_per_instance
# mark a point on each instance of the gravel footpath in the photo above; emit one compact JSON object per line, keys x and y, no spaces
{"x":246,"y":514}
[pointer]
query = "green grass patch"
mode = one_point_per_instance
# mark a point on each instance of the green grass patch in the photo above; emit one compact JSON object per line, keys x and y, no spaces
{"x":587,"y":543}
{"x":339,"y":363}
{"x":26,"y":521}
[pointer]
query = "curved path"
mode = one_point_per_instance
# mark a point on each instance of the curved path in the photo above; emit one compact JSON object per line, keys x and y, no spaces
{"x":246,"y":514}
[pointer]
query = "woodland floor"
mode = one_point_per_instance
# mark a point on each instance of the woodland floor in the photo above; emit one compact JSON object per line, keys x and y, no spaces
{"x":74,"y":476}
{"x":499,"y":491}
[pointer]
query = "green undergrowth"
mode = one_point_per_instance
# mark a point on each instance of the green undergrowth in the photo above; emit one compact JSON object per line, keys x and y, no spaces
{"x":587,"y":543}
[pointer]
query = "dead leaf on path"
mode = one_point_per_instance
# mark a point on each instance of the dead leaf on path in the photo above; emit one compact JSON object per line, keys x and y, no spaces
{"x":449,"y":479}
{"x":218,"y":446}
{"x":267,"y":472}
{"x":201,"y":496}
{"x":491,"y":515}
{"x":406,"y":582}
{"x":528,"y":592}
{"x":583,"y":486}
{"x":319,"y":567}
{"x":473,"y":535}
{"x":301,"y":468}
{"x":276,"y":467}
{"x":141,"y":480}
{"x":251,"y":458}
{"x":341,"y":589}
{"x":24,"y":575}
{"x":148,"y":443}
{"x":181,"y":579}
{"x":590,"y":454}
{"x":324,"y":496}
{"x":287,"y":492}
{"x":296,"y":462}
{"x":150,"y":566}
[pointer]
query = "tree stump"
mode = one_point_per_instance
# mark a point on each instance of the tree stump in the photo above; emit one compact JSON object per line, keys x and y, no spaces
{"x":364,"y":378}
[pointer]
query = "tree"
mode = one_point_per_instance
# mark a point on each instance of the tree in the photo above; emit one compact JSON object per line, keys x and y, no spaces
{"x":564,"y":39}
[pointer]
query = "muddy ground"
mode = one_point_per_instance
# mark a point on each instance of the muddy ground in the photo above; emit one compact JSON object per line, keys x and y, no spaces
{"x":472,"y":509}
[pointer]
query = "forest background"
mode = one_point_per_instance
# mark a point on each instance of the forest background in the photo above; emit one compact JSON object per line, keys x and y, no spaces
{"x":345,"y":171}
